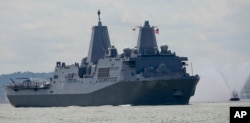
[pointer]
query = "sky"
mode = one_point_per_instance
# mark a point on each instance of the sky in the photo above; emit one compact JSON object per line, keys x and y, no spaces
{"x":213,"y":34}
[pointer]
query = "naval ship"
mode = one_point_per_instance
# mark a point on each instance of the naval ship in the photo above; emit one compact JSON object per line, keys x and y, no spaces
{"x":142,"y":75}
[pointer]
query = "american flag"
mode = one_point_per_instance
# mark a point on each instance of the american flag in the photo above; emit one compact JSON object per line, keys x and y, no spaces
{"x":156,"y":31}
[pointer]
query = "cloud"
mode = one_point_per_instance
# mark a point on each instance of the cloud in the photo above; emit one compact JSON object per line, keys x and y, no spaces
{"x":33,"y":26}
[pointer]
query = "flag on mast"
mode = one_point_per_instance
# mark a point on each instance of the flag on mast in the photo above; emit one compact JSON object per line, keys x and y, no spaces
{"x":156,"y":31}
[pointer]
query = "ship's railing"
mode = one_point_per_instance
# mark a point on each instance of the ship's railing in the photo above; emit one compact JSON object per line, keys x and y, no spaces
{"x":107,"y":79}
{"x":173,"y":76}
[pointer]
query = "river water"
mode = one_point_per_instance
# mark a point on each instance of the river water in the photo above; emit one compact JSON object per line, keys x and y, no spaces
{"x":196,"y":112}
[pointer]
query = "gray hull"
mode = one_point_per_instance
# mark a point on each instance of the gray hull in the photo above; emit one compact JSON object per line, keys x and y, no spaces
{"x":163,"y":92}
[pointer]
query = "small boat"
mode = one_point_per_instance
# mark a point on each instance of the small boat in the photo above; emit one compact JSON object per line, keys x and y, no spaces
{"x":235,"y":96}
{"x":29,"y":83}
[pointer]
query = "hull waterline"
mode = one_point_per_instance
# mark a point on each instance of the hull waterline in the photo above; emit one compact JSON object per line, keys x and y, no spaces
{"x":170,"y":92}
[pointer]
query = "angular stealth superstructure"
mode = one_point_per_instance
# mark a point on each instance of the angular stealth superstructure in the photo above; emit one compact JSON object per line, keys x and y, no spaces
{"x":142,"y":75}
{"x":99,"y":42}
{"x":146,"y":43}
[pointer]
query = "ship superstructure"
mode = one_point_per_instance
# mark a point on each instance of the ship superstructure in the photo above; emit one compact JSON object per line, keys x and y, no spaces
{"x":143,"y":75}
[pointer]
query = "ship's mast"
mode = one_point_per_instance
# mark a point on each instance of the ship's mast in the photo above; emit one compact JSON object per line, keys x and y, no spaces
{"x":99,"y":12}
{"x":146,"y":43}
{"x":99,"y":18}
{"x":99,"y":41}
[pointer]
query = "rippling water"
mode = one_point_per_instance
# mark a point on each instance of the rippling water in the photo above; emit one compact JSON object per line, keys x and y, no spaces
{"x":194,"y":113}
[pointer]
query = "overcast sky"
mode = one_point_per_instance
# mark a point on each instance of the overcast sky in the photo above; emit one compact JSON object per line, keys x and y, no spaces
{"x":214,"y":34}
